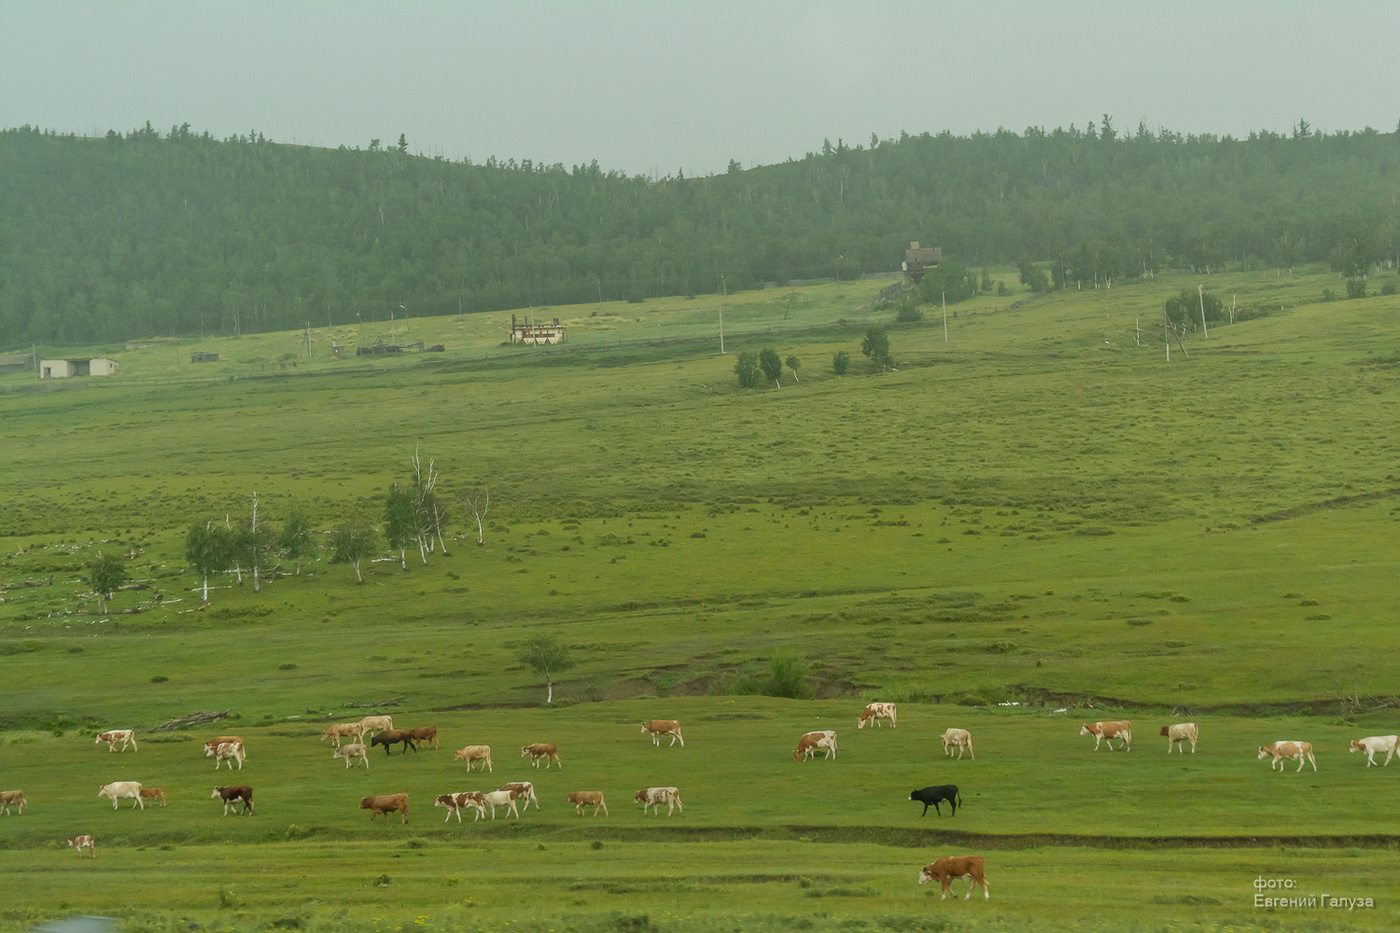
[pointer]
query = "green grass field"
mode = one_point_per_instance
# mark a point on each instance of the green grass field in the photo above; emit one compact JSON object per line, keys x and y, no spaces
{"x":1041,"y":511}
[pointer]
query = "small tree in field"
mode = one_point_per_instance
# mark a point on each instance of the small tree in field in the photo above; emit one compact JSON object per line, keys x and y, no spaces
{"x":400,"y":521}
{"x":253,"y":543}
{"x":794,"y":364}
{"x":295,"y":541}
{"x":546,"y":656}
{"x":479,"y":506}
{"x":771,"y":364}
{"x":876,"y":346}
{"x":746,"y":368}
{"x":351,"y":542}
{"x":106,"y":572}
{"x":841,"y":362}
{"x":209,"y":547}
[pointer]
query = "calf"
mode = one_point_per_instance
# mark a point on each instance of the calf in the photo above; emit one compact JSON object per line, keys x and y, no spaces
{"x":153,"y":794}
{"x":481,"y":753}
{"x":944,"y":870}
{"x":12,"y":798}
{"x":809,"y":743}
{"x":1116,"y":729}
{"x":656,"y":796}
{"x":353,"y":750}
{"x":587,"y":798}
{"x":114,"y":736}
{"x":386,"y":804}
{"x":502,"y":798}
{"x":343,"y":730}
{"x":455,"y":802}
{"x":375,"y":724}
{"x":1373,"y":744}
{"x":541,"y":750}
{"x":225,"y":751}
{"x":1278,"y":751}
{"x":119,"y":789}
{"x":874,"y":712}
{"x":659,"y":727}
{"x":525,"y":791}
{"x":959,"y":739}
{"x":425,"y":734}
{"x":81,"y":842}
{"x":394,"y":736}
{"x":221,"y":739}
{"x":1179,"y":734}
{"x":933,"y":796}
{"x":232,"y":795}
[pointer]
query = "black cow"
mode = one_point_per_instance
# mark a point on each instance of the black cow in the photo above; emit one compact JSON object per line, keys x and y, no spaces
{"x":933,"y":796}
{"x":393,"y":737}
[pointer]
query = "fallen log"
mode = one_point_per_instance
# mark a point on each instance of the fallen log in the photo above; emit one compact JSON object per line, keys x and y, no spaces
{"x":396,"y":701}
{"x":191,"y":720}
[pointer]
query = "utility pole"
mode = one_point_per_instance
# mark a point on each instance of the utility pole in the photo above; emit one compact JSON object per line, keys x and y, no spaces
{"x":944,"y":297}
{"x":1201,"y":293}
{"x":725,"y":289}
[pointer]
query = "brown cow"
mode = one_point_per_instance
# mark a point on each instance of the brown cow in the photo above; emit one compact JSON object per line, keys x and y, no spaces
{"x":386,"y":804}
{"x":455,"y":802}
{"x":525,"y":791}
{"x":12,"y":798}
{"x":541,"y":750}
{"x":153,"y":794}
{"x":231,"y":796}
{"x":587,"y":798}
{"x":809,"y":743}
{"x":393,"y":736}
{"x":1299,"y":751}
{"x":659,"y":727}
{"x":425,"y":734}
{"x":1116,"y":729}
{"x":944,"y":870}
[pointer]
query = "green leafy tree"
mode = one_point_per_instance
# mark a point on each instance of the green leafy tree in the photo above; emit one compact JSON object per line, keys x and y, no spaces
{"x":771,"y":364}
{"x":1032,"y":276}
{"x":547,"y":657}
{"x":1184,"y":310}
{"x":296,"y":540}
{"x":351,"y":542}
{"x":209,"y":548}
{"x":841,"y":362}
{"x":254,"y":543}
{"x":106,"y":573}
{"x":400,"y":521}
{"x":794,"y":364}
{"x":876,"y":347}
{"x":746,"y":368}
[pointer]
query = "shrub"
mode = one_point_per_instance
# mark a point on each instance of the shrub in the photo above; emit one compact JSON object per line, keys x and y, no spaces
{"x":841,"y":362}
{"x":1356,"y":288}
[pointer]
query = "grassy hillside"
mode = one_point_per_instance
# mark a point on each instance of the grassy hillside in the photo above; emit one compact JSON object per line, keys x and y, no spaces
{"x":1039,"y":510}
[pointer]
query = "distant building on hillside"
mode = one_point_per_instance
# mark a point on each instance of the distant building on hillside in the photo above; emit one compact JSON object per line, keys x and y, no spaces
{"x":16,"y":362}
{"x":919,"y":259}
{"x":90,"y":366}
{"x":522,"y":332}
{"x":202,"y":357}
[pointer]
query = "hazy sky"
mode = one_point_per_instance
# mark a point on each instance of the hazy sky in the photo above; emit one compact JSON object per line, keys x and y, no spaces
{"x":647,"y":86}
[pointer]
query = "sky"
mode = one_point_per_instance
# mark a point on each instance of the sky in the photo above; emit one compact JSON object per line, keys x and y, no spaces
{"x":654,"y":87}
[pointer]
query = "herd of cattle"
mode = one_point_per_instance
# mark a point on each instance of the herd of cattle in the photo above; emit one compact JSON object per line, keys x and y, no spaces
{"x":380,"y":731}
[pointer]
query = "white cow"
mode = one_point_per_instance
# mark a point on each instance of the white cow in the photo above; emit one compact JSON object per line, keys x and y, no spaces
{"x":1376,"y":743}
{"x":455,"y":802}
{"x":809,"y":743}
{"x":471,"y":753}
{"x":959,"y":739}
{"x":501,"y":798}
{"x":656,"y":796}
{"x":874,"y":712}
{"x":372,"y":724}
{"x":1179,"y":734}
{"x":119,"y":789}
{"x":227,"y":751}
{"x":114,"y":736}
{"x":1293,"y":751}
{"x":353,"y":750}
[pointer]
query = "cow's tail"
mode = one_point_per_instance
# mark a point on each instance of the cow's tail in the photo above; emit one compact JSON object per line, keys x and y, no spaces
{"x":960,"y":803}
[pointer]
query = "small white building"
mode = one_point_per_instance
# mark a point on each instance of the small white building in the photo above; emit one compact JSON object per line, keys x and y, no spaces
{"x":62,"y":369}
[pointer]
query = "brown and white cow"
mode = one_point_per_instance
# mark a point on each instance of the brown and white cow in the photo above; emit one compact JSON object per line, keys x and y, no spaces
{"x":1373,"y":744}
{"x":425,"y":734}
{"x":12,"y":798}
{"x":225,"y":751}
{"x":343,"y":730}
{"x":386,"y":804}
{"x":1178,"y":734}
{"x":945,"y":869}
{"x":1292,"y":751}
{"x":525,"y":791}
{"x":353,"y":750}
{"x":470,"y":753}
{"x":120,"y":789}
{"x":375,"y":724}
{"x":656,"y":796}
{"x":455,"y":802}
{"x":83,"y":842}
{"x":502,"y":798}
{"x":221,"y":739}
{"x":809,"y":743}
{"x":874,"y":712}
{"x":232,"y":795}
{"x":959,"y":739}
{"x":587,"y":798}
{"x":541,"y":750}
{"x":153,"y":794}
{"x":113,"y":737}
{"x":659,"y":727}
{"x":1108,"y":731}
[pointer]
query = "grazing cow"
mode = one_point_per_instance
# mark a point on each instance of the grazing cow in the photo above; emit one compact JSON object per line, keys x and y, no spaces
{"x":231,"y":796}
{"x":81,"y":842}
{"x":375,"y":724}
{"x":541,"y":750}
{"x":353,"y":750}
{"x":119,"y":789}
{"x":874,"y":712}
{"x":959,"y":739}
{"x":1116,"y":729}
{"x":481,"y":753}
{"x":394,"y":736}
{"x":1278,"y":751}
{"x":425,"y":734}
{"x":656,"y":796}
{"x":455,"y":802}
{"x":502,"y":798}
{"x":225,"y":751}
{"x":1179,"y":734}
{"x":525,"y":791}
{"x":221,"y":739}
{"x":807,"y":745}
{"x":343,"y":730}
{"x":944,"y":870}
{"x":386,"y":804}
{"x":1373,"y":744}
{"x":660,"y":727}
{"x":933,"y":796}
{"x":9,"y":798}
{"x":153,"y":794}
{"x":587,"y":798}
{"x":113,"y":736}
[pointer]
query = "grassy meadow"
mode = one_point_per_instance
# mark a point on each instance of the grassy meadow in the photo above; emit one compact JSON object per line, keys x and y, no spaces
{"x":1035,"y":521}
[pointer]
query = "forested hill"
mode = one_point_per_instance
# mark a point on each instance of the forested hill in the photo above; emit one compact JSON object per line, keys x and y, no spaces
{"x":149,"y":233}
